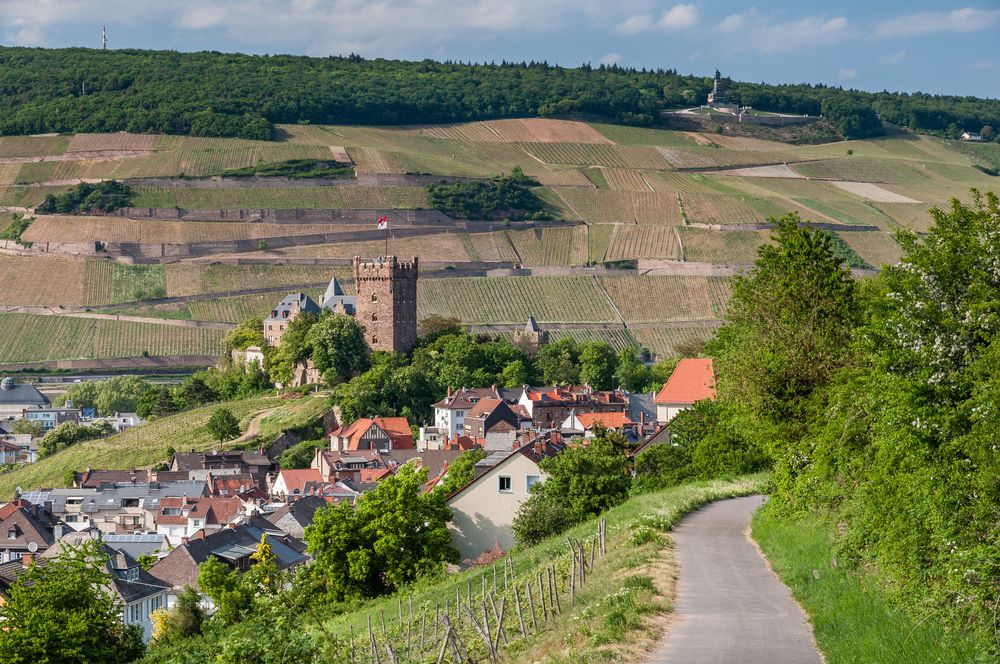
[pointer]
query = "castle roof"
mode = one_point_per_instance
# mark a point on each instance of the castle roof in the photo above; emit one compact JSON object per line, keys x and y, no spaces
{"x":334,"y":295}
{"x":531,"y":325}
{"x":284,"y":309}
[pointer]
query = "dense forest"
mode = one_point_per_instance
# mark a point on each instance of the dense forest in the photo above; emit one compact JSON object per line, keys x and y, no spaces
{"x":217,"y":94}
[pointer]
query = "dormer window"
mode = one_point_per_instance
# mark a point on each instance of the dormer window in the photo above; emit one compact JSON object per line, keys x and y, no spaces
{"x":12,"y":532}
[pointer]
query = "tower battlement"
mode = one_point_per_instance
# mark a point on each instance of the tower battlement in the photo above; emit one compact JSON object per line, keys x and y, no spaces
{"x":386,"y":301}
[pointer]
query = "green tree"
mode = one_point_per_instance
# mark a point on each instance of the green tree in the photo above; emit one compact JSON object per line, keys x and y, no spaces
{"x":61,"y":611}
{"x":337,"y":346}
{"x":630,"y":373}
{"x":559,"y":362}
{"x":280,"y":362}
{"x":223,"y":425}
{"x":248,"y":333}
{"x":300,"y":455}
{"x":391,"y":388}
{"x":184,"y":620}
{"x":597,"y":365}
{"x":395,"y":534}
{"x":515,"y":374}
{"x":460,"y":472}
{"x":196,"y":392}
{"x":788,"y":329}
{"x":223,"y":585}
{"x":27,"y":426}
{"x":71,"y":433}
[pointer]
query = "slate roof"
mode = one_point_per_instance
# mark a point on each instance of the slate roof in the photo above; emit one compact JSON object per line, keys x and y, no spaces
{"x":180,"y":566}
{"x":302,"y":510}
{"x":334,"y":295}
{"x":229,"y":459}
{"x":466,"y":397}
{"x":20,"y":394}
{"x":283,"y":311}
{"x":692,"y":380}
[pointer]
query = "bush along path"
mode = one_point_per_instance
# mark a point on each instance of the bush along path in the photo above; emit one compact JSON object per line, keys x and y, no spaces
{"x":589,"y":595}
{"x":730,"y":606}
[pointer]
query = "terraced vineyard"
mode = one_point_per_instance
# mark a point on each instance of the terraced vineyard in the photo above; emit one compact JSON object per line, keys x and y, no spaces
{"x":491,"y":300}
{"x":627,"y":185}
{"x":664,"y":341}
{"x":31,"y":338}
{"x":352,"y":198}
{"x":667,"y":298}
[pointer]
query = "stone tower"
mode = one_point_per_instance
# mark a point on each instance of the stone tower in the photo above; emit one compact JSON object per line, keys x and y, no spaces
{"x":386,"y":303}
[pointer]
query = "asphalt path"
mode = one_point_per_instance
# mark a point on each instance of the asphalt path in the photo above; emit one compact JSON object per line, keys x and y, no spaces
{"x":730,"y":607}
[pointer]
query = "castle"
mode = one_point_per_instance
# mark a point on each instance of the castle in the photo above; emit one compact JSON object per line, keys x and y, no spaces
{"x":385,"y":304}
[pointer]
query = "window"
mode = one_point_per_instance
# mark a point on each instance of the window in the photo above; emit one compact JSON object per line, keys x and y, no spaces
{"x":374,"y":297}
{"x":504,"y":484}
{"x":531,"y":480}
{"x":374,"y":317}
{"x":12,"y":532}
{"x":374,"y":340}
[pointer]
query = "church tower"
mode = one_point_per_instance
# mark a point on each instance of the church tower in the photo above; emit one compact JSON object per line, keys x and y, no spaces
{"x":386,"y":302}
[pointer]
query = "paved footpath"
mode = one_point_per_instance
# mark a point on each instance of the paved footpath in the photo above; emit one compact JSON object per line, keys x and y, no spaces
{"x":730,"y":608}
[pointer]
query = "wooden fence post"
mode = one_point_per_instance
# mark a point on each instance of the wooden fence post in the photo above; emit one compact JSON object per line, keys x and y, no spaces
{"x":520,"y":618}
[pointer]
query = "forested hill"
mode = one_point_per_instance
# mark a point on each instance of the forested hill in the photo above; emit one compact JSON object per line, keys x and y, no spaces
{"x":216,"y":94}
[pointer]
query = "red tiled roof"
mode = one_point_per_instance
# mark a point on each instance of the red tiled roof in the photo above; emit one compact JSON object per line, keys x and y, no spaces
{"x":297,"y":478}
{"x":372,"y":475}
{"x":609,"y":420}
{"x":483,"y":407}
{"x":398,"y":429}
{"x":692,"y":380}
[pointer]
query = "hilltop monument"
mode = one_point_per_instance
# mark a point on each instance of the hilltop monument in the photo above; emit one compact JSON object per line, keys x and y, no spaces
{"x":718,"y":97}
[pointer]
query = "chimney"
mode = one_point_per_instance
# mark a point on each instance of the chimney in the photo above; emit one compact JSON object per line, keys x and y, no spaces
{"x":200,"y":534}
{"x":27,"y":559}
{"x":449,"y":390}
{"x":57,"y":531}
{"x":184,"y":541}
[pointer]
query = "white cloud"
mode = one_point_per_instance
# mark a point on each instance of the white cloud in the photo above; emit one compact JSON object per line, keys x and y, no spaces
{"x":611,"y":58}
{"x":764,"y":34}
{"x":635,"y":24}
{"x":893,"y":58}
{"x":966,"y":19}
{"x":846,"y":74}
{"x":981,"y":65}
{"x":679,"y":17}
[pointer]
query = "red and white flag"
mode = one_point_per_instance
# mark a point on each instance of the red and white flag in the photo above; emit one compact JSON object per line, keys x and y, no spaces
{"x":383,"y":223}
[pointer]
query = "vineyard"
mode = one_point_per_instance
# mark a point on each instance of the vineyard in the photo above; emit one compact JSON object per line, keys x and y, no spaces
{"x":32,"y":146}
{"x":370,"y":160}
{"x":602,"y":206}
{"x":550,"y":246}
{"x":591,"y":154}
{"x":863,"y":169}
{"x":691,"y":158}
{"x":667,"y":298}
{"x":196,"y":279}
{"x":709,"y":209}
{"x":240,"y":308}
{"x":706,"y":246}
{"x":876,"y":249}
{"x":664,"y":340}
{"x":41,"y":281}
{"x":491,"y":300}
{"x":442,"y":247}
{"x":30,"y":338}
{"x":642,"y":242}
{"x":120,"y":141}
{"x":353,"y":198}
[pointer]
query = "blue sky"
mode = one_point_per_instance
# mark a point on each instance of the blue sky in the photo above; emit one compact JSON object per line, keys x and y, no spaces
{"x":910,"y":45}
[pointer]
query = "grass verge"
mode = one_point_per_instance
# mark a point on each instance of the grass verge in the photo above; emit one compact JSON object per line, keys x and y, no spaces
{"x":852,"y":620}
{"x":616,"y":617}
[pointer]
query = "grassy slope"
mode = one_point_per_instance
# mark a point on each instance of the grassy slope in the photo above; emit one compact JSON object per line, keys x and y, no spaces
{"x":618,"y":613}
{"x":852,"y":620}
{"x":148,"y":444}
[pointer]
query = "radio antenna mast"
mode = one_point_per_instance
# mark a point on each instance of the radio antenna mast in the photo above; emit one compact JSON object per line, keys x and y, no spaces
{"x":104,"y":37}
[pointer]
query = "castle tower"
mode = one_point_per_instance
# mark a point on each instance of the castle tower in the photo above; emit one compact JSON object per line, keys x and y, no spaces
{"x":386,"y":302}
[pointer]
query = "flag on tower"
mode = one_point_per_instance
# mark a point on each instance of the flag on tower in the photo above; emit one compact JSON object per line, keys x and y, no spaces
{"x":383,"y":223}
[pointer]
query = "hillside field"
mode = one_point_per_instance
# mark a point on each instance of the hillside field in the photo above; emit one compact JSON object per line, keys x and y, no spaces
{"x":629,"y":194}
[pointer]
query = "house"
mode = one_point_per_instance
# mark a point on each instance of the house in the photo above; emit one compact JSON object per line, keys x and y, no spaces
{"x":26,"y":528}
{"x":550,"y":406}
{"x":120,"y":508}
{"x":93,"y":479}
{"x":483,"y":510}
{"x":233,"y":546}
{"x":144,"y":544}
{"x":183,"y":517}
{"x":17,"y":448}
{"x":493,"y":421}
{"x":380,"y":433}
{"x":50,"y":417}
{"x":294,"y":517}
{"x":282,"y":315}
{"x":586,"y":423}
{"x":230,"y":485}
{"x":138,"y":592}
{"x":692,"y":380}
{"x":971,"y":136}
{"x":291,"y":483}
{"x":121,"y":421}
{"x":334,"y":465}
{"x":15,"y":398}
{"x":450,"y":412}
{"x":198,"y":465}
